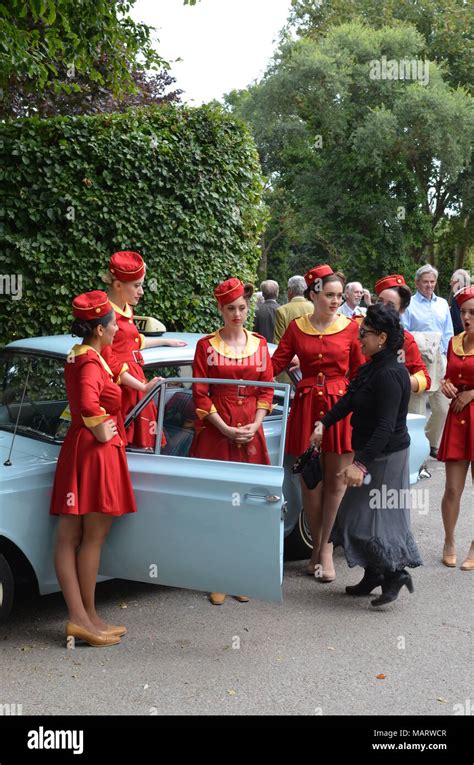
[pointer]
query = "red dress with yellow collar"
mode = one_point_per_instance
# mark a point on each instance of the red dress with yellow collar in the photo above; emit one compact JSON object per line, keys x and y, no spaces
{"x":328,"y":360}
{"x":91,"y":477}
{"x":124,"y":355}
{"x":457,"y":442}
{"x":236,"y":405}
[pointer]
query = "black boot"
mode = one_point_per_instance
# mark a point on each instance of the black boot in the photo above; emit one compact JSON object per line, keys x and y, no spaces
{"x":369,"y":582}
{"x":392,"y":584}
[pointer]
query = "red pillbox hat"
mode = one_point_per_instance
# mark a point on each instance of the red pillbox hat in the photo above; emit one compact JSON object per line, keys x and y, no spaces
{"x":387,"y":282}
{"x":465,"y":294}
{"x":318,"y":272}
{"x":228,"y":291}
{"x":91,"y":305}
{"x":127,"y":266}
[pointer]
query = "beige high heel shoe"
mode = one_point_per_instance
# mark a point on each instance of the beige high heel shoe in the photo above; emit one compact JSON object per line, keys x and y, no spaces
{"x":326,"y":573}
{"x":115,"y":629}
{"x":97,"y":641}
{"x":448,"y":560}
{"x":217,"y":598}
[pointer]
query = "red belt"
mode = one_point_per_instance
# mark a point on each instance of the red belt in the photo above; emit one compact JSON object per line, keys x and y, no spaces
{"x":320,"y":380}
{"x":134,"y":357}
{"x":234,"y":391}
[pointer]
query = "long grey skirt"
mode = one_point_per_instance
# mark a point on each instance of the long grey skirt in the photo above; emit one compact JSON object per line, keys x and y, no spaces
{"x":373,"y":521}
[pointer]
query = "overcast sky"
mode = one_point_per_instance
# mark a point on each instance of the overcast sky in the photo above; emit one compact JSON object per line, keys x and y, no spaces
{"x":224,"y":44}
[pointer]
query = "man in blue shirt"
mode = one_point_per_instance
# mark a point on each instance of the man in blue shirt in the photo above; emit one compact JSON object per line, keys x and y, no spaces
{"x":353,"y":294}
{"x":428,"y":312}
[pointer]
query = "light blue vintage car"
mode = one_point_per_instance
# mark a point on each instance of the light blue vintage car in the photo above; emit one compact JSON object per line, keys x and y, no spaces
{"x":201,"y":524}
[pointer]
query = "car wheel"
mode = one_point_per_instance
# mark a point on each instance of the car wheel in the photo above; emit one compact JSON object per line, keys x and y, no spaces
{"x":298,"y":544}
{"x":6,"y":589}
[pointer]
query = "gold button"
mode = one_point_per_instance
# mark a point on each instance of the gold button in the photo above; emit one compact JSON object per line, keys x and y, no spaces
{"x":321,"y":413}
{"x":301,"y":395}
{"x":341,"y":391}
{"x":130,"y":321}
{"x":320,"y":337}
{"x":136,"y":339}
{"x":320,"y":393}
{"x":463,"y":422}
{"x":239,"y":446}
{"x":460,"y":375}
{"x":240,"y":402}
{"x":239,"y":424}
{"x":121,"y":442}
{"x":320,"y":355}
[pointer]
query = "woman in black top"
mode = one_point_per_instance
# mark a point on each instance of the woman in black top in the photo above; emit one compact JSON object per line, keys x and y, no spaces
{"x":373,"y":520}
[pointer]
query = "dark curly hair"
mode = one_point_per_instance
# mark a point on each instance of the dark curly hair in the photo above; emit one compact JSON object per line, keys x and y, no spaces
{"x":384,"y":318}
{"x":405,"y":295}
{"x":85,"y":329}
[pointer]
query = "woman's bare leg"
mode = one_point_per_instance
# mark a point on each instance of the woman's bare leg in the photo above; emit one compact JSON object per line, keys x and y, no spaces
{"x":334,"y":489}
{"x":96,"y":526}
{"x":450,"y":504}
{"x":470,"y":555}
{"x":68,"y":538}
{"x":313,"y":508}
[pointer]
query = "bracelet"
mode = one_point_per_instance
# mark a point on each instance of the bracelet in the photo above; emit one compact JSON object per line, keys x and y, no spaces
{"x":361,"y":467}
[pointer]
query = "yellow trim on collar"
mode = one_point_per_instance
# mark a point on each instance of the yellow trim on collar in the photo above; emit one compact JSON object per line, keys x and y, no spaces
{"x":219,"y":345}
{"x":128,"y":313}
{"x":458,"y":347}
{"x":80,"y":350}
{"x":341,"y":322}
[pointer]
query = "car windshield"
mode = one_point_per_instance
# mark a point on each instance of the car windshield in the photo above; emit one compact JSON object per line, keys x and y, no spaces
{"x":39,"y":382}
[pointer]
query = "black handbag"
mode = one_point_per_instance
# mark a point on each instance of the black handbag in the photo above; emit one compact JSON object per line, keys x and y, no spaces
{"x":309,"y":465}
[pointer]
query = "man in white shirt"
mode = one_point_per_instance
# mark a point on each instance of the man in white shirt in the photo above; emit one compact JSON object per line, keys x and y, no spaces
{"x":353,"y":294}
{"x":428,"y":312}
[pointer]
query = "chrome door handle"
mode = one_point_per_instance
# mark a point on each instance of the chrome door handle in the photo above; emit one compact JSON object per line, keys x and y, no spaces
{"x":266,"y":497}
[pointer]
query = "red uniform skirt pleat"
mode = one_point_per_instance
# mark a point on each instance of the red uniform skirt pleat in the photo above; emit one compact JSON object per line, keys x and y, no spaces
{"x":305,"y":411}
{"x":457,"y":442}
{"x":142,"y":431}
{"x":91,"y":477}
{"x":209,"y":443}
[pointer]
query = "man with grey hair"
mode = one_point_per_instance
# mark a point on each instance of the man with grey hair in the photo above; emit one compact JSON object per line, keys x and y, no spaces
{"x":429,"y":313}
{"x":264,"y":322}
{"x":353,"y":294}
{"x":459,"y":280}
{"x":297,"y":306}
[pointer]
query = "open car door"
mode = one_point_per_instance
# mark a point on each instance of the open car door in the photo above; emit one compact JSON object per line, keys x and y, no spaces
{"x":202,"y":524}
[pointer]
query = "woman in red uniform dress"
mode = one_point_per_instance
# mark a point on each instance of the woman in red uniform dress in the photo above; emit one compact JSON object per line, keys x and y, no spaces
{"x":329,"y":354}
{"x":230,"y":417}
{"x":126,"y":277}
{"x":92,"y":483}
{"x":393,"y":290}
{"x":456,"y":449}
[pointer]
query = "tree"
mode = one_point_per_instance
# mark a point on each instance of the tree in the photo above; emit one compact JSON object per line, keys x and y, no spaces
{"x":447,"y":26}
{"x":66,"y":56}
{"x":370,"y":166}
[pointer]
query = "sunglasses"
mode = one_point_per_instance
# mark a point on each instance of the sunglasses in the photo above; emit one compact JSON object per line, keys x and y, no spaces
{"x":363,"y":332}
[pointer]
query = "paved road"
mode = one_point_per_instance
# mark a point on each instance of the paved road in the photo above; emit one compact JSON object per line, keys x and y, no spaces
{"x":318,"y":653}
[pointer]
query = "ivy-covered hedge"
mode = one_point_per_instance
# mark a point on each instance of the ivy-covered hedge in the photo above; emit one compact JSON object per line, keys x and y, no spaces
{"x":180,"y":185}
